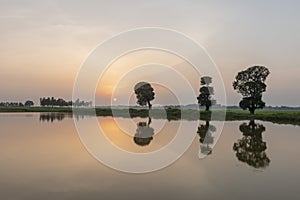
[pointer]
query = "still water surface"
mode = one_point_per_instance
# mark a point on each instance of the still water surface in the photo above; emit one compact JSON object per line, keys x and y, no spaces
{"x":42,"y":157}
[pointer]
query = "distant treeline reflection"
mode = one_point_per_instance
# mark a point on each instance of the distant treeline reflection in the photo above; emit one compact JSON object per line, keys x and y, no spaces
{"x":51,"y":117}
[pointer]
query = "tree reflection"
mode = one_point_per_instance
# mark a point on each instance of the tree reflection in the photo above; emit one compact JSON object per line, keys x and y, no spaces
{"x":206,"y":138}
{"x":251,"y":148}
{"x":59,"y":116}
{"x":144,"y":133}
{"x":51,"y":117}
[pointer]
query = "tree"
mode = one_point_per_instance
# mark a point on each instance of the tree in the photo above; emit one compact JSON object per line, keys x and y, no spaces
{"x":144,"y":93}
{"x":42,"y":101}
{"x":206,"y":92}
{"x":251,"y":84}
{"x":251,"y":148}
{"x":29,"y":103}
{"x":48,"y":101}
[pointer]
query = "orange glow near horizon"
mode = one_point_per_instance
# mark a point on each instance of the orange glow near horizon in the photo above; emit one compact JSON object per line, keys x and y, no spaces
{"x":125,"y":141}
{"x":120,"y":78}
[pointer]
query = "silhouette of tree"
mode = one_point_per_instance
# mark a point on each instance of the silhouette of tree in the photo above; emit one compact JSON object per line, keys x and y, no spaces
{"x":29,"y":103}
{"x":251,"y":148}
{"x":70,"y":103}
{"x":250,"y":83}
{"x":144,"y":133}
{"x":42,"y":102}
{"x":144,"y":94}
{"x":48,"y":101}
{"x":61,"y":102}
{"x":12,"y":104}
{"x":206,"y":138}
{"x":77,"y":102}
{"x":206,"y":92}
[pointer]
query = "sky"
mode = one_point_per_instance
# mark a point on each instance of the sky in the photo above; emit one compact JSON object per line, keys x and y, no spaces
{"x":44,"y":43}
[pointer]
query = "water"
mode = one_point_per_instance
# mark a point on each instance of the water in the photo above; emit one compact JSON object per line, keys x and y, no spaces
{"x":42,"y":157}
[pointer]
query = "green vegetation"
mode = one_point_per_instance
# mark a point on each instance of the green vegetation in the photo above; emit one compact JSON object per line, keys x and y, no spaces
{"x":280,"y":117}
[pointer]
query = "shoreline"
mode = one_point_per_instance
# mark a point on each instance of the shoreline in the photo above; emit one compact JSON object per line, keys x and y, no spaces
{"x":274,"y":116}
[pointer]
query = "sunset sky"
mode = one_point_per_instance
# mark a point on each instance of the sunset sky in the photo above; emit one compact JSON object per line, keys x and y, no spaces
{"x":44,"y":43}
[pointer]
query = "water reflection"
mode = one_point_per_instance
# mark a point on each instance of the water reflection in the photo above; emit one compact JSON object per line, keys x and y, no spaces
{"x":54,"y":165}
{"x":58,"y":116}
{"x":51,"y":117}
{"x":251,"y":148}
{"x":206,"y":138}
{"x":144,"y":133}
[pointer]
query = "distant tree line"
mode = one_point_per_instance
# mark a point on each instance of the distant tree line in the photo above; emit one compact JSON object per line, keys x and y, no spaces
{"x":17,"y":104}
{"x":51,"y":101}
{"x":48,"y":102}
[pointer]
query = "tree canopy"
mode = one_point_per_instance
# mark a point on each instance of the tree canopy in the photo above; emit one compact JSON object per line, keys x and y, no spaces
{"x":250,"y":83}
{"x":29,"y":103}
{"x":144,"y":93}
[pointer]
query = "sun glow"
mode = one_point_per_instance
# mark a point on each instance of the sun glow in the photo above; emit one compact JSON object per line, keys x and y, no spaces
{"x":120,"y":77}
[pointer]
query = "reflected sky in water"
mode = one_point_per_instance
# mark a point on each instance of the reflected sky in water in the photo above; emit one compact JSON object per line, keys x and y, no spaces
{"x":48,"y":161}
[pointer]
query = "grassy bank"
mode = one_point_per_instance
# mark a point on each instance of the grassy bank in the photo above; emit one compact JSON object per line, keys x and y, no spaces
{"x":280,"y":117}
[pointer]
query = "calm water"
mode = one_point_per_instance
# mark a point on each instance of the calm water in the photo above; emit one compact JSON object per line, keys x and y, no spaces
{"x":42,"y":157}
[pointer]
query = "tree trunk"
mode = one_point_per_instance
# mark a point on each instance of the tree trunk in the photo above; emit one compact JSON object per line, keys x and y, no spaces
{"x":252,"y":123}
{"x":207,"y":108}
{"x":149,"y":104}
{"x":207,"y":123}
{"x":149,"y":120}
{"x":252,"y":110}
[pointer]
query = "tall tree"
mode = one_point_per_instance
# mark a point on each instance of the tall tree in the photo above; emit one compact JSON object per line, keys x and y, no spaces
{"x":144,"y":93}
{"x":251,"y":84}
{"x":206,"y":92}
